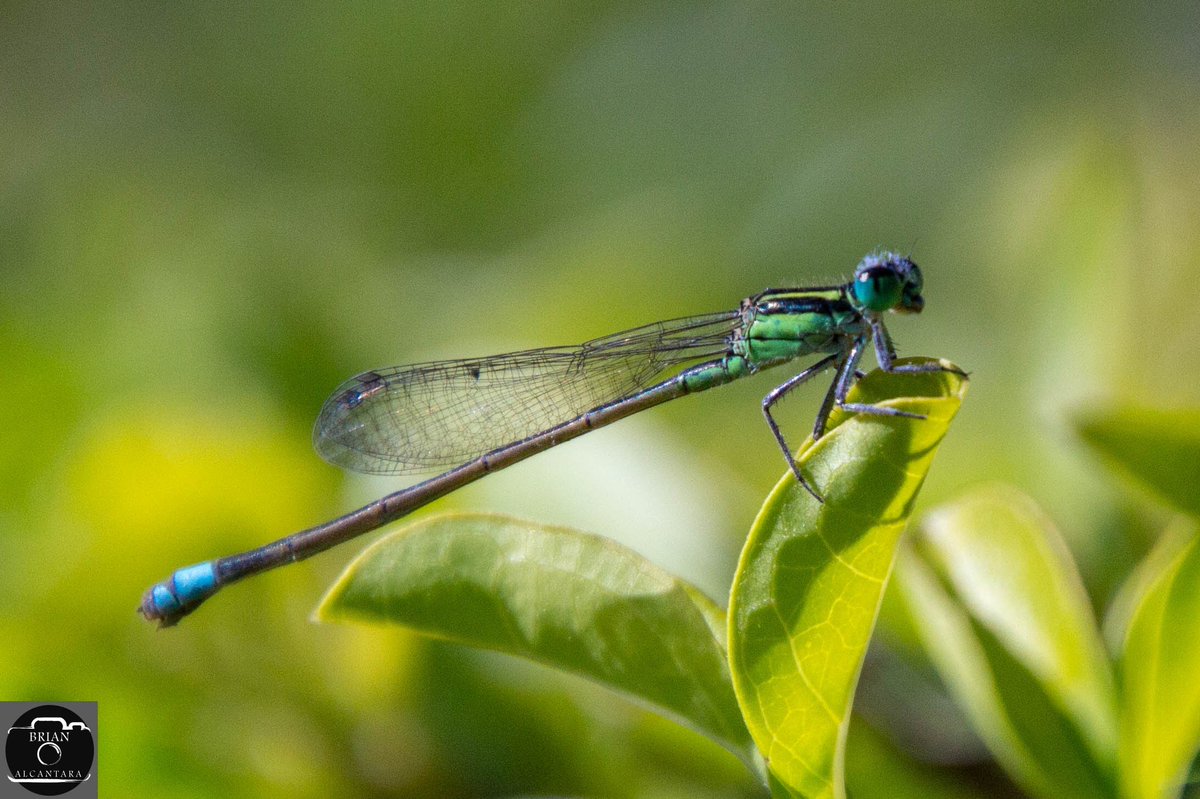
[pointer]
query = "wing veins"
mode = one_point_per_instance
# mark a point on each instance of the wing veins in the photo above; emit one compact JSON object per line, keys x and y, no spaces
{"x":425,"y":416}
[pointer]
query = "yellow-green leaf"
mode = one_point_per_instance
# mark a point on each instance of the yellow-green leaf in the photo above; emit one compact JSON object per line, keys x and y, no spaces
{"x":809,"y":582}
{"x":1132,"y":592}
{"x":1160,"y":670}
{"x":1005,"y":619}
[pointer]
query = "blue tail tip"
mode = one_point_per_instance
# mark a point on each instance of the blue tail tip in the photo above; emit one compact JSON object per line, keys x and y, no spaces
{"x":169,"y":601}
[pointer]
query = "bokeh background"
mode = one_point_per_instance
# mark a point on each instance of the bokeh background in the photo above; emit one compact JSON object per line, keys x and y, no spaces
{"x":211,"y":214}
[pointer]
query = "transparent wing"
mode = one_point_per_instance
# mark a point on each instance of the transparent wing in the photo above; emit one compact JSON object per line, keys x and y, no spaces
{"x":430,"y":416}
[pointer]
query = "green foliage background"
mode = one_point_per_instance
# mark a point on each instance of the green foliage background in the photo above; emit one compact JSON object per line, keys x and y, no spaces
{"x":212,"y":214}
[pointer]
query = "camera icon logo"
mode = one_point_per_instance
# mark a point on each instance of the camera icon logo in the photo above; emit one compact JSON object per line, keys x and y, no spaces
{"x":50,"y":751}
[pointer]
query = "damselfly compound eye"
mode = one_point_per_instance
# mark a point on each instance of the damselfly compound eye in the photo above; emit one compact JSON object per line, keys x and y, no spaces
{"x":878,"y":288}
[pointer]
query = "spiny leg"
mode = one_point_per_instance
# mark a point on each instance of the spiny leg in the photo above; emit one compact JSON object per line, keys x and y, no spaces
{"x":849,"y":368}
{"x":826,"y":408}
{"x":885,"y":353}
{"x":778,"y":393}
{"x":845,"y":379}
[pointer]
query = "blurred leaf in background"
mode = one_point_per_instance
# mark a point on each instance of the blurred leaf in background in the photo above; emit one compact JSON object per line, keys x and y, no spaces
{"x":210,"y":215}
{"x":1158,"y":448}
{"x":1005,"y":619}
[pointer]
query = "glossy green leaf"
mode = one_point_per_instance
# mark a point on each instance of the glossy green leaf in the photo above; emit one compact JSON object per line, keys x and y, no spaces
{"x":559,"y":597}
{"x":1160,"y":670}
{"x":1004,"y":617}
{"x":808,"y":586}
{"x":1159,"y":449}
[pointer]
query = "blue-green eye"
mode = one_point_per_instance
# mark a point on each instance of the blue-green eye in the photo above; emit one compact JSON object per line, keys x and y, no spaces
{"x":878,"y":288}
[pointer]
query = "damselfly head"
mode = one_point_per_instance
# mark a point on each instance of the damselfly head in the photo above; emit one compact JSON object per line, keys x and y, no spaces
{"x":887,"y":282}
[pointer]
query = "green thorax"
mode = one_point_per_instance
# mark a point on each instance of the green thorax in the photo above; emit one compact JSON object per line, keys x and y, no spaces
{"x":782,"y":324}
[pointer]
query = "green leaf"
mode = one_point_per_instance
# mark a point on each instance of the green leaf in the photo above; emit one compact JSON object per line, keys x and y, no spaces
{"x":1159,"y":449}
{"x":559,"y":597}
{"x":1178,"y":533}
{"x":1005,"y":619}
{"x":808,"y":586}
{"x":1160,"y":670}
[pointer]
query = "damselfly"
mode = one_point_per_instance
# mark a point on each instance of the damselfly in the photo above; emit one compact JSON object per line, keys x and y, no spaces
{"x":478,"y":415}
